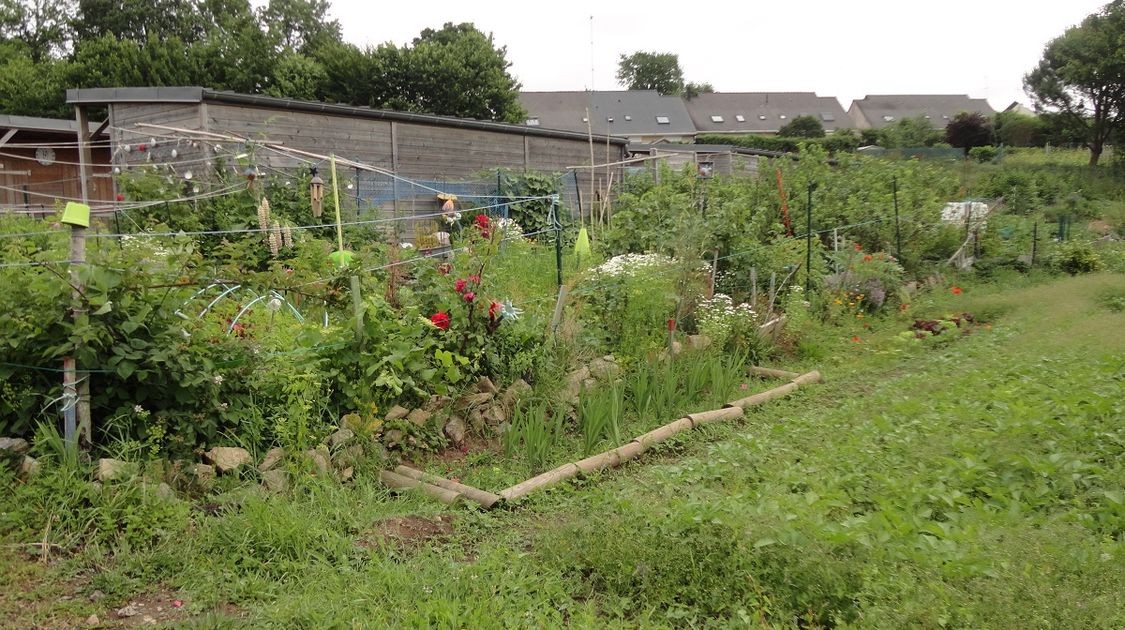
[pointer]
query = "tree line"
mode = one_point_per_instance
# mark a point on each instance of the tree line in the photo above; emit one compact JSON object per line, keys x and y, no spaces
{"x":286,"y":48}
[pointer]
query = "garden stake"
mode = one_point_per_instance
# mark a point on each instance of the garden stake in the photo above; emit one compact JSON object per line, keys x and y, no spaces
{"x":898,"y":234}
{"x":808,"y":243}
{"x":484,"y":498}
{"x":357,"y":299}
{"x":753,"y":288}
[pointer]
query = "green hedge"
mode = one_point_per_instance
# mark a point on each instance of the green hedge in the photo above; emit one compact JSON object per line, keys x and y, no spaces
{"x":832,"y":144}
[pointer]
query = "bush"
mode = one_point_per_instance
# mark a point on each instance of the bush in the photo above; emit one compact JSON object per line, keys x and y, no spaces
{"x":986,"y":153}
{"x":836,"y":143}
{"x":1075,"y":257}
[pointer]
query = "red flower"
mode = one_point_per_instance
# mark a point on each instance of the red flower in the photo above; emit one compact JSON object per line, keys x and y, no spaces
{"x":441,"y":320}
{"x":903,"y":307}
{"x":858,"y":247}
{"x":474,"y":279}
{"x":671,"y":325}
{"x":459,"y":286}
{"x":470,"y":296}
{"x":956,"y":290}
{"x":867,"y":258}
{"x":445,"y":268}
{"x":493,"y":309}
{"x":120,"y":197}
{"x":482,"y":220}
{"x":855,"y":339}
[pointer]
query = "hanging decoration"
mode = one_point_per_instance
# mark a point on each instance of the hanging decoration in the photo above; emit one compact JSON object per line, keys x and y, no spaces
{"x":316,"y":193}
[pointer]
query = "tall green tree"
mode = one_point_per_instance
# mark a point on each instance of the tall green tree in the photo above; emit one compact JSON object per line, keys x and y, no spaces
{"x":651,"y":71}
{"x":41,"y":27}
{"x":138,"y":20}
{"x":299,"y":25}
{"x":693,"y":89}
{"x":1014,"y":129}
{"x":1081,"y":78}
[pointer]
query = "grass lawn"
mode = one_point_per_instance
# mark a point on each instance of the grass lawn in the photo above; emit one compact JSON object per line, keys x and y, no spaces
{"x":968,"y":481}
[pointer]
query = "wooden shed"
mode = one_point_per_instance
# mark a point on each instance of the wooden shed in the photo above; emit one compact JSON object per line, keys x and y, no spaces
{"x":421,"y":146}
{"x":39,"y":164}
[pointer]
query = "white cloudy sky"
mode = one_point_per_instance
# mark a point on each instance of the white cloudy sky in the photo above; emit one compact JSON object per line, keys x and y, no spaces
{"x":843,"y":49}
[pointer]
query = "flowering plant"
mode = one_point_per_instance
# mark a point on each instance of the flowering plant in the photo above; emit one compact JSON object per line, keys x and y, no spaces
{"x":724,"y":321}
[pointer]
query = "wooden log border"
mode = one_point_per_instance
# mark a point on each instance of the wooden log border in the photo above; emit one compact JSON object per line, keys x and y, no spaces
{"x":450,"y":491}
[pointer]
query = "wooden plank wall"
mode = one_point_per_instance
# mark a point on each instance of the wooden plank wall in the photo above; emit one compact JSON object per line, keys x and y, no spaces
{"x":53,"y":183}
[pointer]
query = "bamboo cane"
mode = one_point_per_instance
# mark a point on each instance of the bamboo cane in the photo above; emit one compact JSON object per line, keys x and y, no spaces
{"x":663,"y":433}
{"x":715,"y":415}
{"x":765,"y":396}
{"x":545,"y":480}
{"x":598,"y":462}
{"x":808,"y":379}
{"x":397,"y":481}
{"x":771,"y":373}
{"x":485,"y":498}
{"x":629,"y":451}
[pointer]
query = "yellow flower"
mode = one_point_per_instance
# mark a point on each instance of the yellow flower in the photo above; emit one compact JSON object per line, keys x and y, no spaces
{"x":838,"y":301}
{"x":859,"y":316}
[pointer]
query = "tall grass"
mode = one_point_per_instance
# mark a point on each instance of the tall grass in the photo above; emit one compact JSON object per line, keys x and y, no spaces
{"x":600,"y":413}
{"x":534,"y":431}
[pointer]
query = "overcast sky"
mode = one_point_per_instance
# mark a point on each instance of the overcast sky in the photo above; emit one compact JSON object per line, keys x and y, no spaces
{"x":841,"y":49}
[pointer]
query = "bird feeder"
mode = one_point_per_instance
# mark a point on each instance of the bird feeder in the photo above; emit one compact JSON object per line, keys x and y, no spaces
{"x":316,"y":194}
{"x":76,"y":214}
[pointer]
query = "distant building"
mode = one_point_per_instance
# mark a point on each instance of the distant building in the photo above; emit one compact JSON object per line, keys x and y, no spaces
{"x":878,"y":111}
{"x":763,"y":112}
{"x":1020,"y":108}
{"x":638,"y":115}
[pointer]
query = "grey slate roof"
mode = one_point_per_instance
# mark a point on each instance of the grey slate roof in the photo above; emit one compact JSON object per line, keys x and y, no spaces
{"x":617,"y":113}
{"x":763,"y":112}
{"x":879,"y":110}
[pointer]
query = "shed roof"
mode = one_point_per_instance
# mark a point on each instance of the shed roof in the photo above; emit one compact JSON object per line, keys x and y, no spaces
{"x":881,"y":110}
{"x":100,"y":96}
{"x":616,"y":112}
{"x":45,"y":125}
{"x":763,"y":112}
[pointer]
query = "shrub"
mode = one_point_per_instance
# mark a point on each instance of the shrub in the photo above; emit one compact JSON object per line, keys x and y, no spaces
{"x":986,"y":153}
{"x":836,"y":143}
{"x":1075,"y":257}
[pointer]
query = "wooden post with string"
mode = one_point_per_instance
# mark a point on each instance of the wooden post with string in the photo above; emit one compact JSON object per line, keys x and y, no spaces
{"x":78,"y":428}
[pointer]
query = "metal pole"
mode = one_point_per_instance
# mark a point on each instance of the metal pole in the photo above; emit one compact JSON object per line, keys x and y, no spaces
{"x":808,"y":242}
{"x":578,"y":194}
{"x":1034,"y":241}
{"x":558,"y":237}
{"x":753,"y":287}
{"x":898,"y":233}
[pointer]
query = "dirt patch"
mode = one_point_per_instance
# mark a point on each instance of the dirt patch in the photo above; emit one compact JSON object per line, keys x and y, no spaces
{"x":1099,"y":227}
{"x":407,"y":532}
{"x":473,"y":444}
{"x":159,"y":607}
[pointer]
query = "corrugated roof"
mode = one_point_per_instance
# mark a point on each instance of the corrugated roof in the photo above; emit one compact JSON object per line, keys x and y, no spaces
{"x":763,"y":112}
{"x":617,"y":113}
{"x":881,"y":110}
{"x":198,"y":95}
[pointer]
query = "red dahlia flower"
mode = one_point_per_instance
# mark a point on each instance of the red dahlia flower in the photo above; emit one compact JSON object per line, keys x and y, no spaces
{"x":460,"y":285}
{"x":474,"y":279}
{"x":441,"y":320}
{"x":470,"y":296}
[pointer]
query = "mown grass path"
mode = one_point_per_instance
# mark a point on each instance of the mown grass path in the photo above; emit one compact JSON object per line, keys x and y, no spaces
{"x":979,"y":482}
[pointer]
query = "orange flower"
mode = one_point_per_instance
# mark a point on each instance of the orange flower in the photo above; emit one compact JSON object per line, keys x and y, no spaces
{"x":855,"y":339}
{"x":903,"y":307}
{"x":956,"y":290}
{"x":867,"y":258}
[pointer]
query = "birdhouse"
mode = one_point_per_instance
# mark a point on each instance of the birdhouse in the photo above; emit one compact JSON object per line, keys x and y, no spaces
{"x":76,"y":214}
{"x":316,"y":194}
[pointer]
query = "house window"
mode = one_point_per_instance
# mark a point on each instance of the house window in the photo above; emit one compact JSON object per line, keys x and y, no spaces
{"x":888,"y":118}
{"x":663,"y":120}
{"x":715,"y":118}
{"x":628,"y":117}
{"x":761,"y":116}
{"x":783,"y":117}
{"x":827,"y":117}
{"x":609,"y":118}
{"x":740,"y":118}
{"x":532,"y":122}
{"x":585,"y":119}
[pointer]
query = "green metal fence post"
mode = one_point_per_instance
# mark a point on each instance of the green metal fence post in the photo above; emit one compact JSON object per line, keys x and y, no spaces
{"x":898,"y":233}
